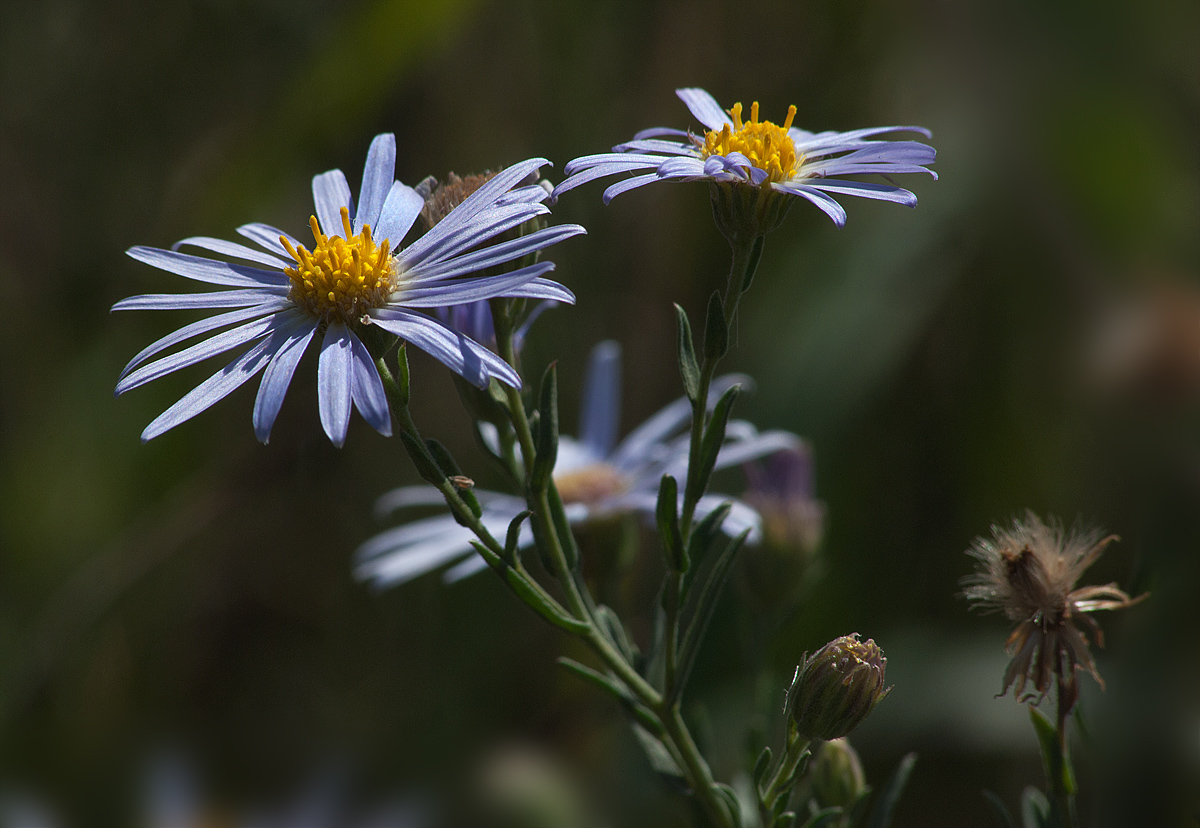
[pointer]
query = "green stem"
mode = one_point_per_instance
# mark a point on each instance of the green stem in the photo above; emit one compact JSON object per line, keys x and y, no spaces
{"x":539,"y":503}
{"x":699,"y":775}
{"x":784,"y":776}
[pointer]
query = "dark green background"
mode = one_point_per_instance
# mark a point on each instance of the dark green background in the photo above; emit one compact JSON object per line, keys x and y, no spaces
{"x":194,"y":595}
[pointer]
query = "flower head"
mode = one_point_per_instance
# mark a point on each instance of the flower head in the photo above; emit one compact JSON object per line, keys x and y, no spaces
{"x":596,"y":476}
{"x":837,"y":687}
{"x":355,"y":273}
{"x":777,"y":161}
{"x":1029,"y":572}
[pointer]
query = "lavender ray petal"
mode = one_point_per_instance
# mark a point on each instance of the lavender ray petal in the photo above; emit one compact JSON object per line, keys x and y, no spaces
{"x":213,"y":299}
{"x":366,"y":388}
{"x":704,"y":107}
{"x":378,"y":174}
{"x":234,"y":249}
{"x":330,"y":194}
{"x":333,"y":382}
{"x":268,"y":237}
{"x":461,"y":354}
{"x":463,"y":291}
{"x":278,"y":377}
{"x":495,"y":254}
{"x":882,"y":192}
{"x":601,"y":407}
{"x":201,"y":326}
{"x":212,"y":390}
{"x":484,"y":226}
{"x":479,"y":201}
{"x":628,"y":184}
{"x":827,"y":204}
{"x":397,"y":215}
{"x":212,"y":346}
{"x":207,"y":270}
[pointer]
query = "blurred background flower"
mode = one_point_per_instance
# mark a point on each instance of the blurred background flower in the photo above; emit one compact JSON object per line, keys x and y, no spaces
{"x":942,"y":363}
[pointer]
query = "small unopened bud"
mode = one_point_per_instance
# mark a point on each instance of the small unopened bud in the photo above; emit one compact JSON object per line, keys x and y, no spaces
{"x":836,"y":775}
{"x":837,"y":687}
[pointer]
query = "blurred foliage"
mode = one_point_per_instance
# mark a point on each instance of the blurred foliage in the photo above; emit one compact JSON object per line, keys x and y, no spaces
{"x":196,"y":592}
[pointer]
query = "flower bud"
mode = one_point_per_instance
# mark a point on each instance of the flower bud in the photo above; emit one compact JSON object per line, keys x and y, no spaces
{"x":836,"y":687}
{"x":836,"y":775}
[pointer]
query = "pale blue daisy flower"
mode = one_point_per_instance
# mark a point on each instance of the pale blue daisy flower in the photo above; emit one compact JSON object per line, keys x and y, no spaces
{"x":785,"y":159}
{"x":356,"y":274}
{"x":596,"y":476}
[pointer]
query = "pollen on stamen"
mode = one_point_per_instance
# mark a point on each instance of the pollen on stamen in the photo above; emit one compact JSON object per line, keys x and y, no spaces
{"x":767,"y":145}
{"x":342,"y":276}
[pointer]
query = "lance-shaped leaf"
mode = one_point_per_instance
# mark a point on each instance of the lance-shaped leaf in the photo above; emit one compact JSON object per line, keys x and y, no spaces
{"x":513,"y":538}
{"x":1003,"y":817}
{"x":618,"y":691}
{"x":666,"y":514}
{"x":704,"y":532}
{"x":710,"y":445}
{"x":1055,"y":763}
{"x":445,"y":461}
{"x":704,"y":606}
{"x":424,"y":463}
{"x":716,"y":329}
{"x":547,"y":435}
{"x":542,"y":604}
{"x":686,"y":351}
{"x":614,"y":631}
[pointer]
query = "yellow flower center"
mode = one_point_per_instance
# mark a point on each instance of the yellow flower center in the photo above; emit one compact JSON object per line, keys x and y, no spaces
{"x":590,"y":484}
{"x":767,"y":145}
{"x":343,"y":276}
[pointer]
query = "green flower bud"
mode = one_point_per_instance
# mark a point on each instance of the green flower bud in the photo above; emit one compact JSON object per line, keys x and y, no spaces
{"x":836,"y":687}
{"x":836,"y":775}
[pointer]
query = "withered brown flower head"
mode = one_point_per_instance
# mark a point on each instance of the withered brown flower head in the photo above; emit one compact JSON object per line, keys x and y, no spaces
{"x":1029,"y":571}
{"x":441,"y":198}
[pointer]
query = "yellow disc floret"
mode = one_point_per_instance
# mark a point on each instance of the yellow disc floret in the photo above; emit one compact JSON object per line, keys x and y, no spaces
{"x":767,"y":145}
{"x":343,"y":276}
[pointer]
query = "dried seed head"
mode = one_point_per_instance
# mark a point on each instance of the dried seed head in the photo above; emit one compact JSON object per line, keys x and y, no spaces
{"x":1029,"y":572}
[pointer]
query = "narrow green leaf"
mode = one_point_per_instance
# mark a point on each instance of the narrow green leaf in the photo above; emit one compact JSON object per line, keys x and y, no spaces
{"x":445,"y":461}
{"x":514,"y":537}
{"x":1035,"y":809}
{"x":425,"y":465}
{"x":1057,"y":767}
{"x":761,"y":766}
{"x":881,"y":814}
{"x":618,"y":691}
{"x":716,"y":329}
{"x":752,"y":263}
{"x":547,"y":437}
{"x":710,"y":445}
{"x":527,"y":593}
{"x":402,"y":373}
{"x":666,"y":514}
{"x":660,"y":758}
{"x":1003,"y":817}
{"x":614,"y":631}
{"x":562,"y":526}
{"x":704,"y":606}
{"x":729,"y":796}
{"x":704,"y":532}
{"x":686,"y":351}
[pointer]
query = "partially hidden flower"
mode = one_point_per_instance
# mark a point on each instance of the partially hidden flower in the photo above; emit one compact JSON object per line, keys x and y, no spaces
{"x":837,"y":687}
{"x":474,"y":319}
{"x":596,"y":476}
{"x":357,"y":274}
{"x":771,"y":158}
{"x":1029,"y":571}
